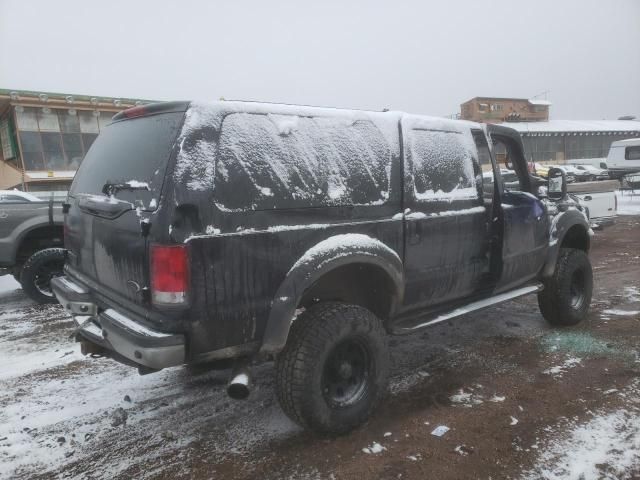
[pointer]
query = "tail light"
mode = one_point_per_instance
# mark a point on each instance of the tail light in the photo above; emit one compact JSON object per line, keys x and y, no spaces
{"x":169,"y":274}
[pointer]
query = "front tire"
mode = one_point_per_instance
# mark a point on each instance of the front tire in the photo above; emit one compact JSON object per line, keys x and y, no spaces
{"x":334,"y":369}
{"x":38,"y":271}
{"x":566,"y":296}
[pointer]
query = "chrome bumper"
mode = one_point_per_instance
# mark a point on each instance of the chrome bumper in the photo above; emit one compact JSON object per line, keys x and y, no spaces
{"x":117,"y":332}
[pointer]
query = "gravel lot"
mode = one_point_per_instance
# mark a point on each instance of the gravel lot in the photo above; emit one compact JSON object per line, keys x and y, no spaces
{"x":520,"y":399}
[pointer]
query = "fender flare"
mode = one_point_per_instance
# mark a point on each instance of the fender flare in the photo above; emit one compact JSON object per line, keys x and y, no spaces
{"x":25,"y":229}
{"x":560,"y":225}
{"x":331,"y":253}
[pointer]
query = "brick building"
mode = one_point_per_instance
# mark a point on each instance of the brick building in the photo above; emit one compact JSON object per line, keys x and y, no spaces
{"x":497,"y":110}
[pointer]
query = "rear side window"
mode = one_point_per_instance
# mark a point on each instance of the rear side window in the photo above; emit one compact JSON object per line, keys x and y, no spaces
{"x":632,"y":153}
{"x":286,"y":161}
{"x":136,"y":151}
{"x":442,"y":165}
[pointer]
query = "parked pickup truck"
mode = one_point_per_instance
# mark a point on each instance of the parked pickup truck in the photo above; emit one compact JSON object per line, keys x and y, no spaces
{"x":31,"y":241}
{"x":242,"y":231}
{"x":598,"y":197}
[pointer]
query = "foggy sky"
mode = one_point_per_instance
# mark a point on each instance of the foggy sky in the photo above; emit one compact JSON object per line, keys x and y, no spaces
{"x":421,"y":57}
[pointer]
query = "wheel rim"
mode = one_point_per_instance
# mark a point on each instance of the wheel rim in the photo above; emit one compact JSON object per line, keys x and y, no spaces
{"x":577,"y":289}
{"x":44,"y":274}
{"x":346,"y":373}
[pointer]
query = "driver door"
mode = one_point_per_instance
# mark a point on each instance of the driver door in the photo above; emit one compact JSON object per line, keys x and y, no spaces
{"x":524,"y":219}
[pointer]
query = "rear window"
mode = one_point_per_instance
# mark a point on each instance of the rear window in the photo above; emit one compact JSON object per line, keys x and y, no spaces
{"x":287,"y":161}
{"x":632,"y":153}
{"x":134,"y":151}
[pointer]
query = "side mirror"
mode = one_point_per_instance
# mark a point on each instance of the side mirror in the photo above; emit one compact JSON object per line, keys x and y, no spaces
{"x":557,"y":189}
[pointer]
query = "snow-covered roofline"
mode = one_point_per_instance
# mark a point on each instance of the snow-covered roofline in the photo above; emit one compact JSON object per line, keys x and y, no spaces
{"x":308,"y":110}
{"x":535,"y":101}
{"x":570,"y":126}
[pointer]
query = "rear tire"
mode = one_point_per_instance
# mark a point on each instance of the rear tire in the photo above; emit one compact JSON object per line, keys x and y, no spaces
{"x":566,"y":296}
{"x":38,"y":271}
{"x":334,"y":369}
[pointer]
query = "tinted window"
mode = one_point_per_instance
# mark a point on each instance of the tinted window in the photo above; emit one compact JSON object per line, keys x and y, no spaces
{"x":442,"y":165}
{"x":285,"y":161}
{"x":632,"y":153}
{"x":136,"y":149}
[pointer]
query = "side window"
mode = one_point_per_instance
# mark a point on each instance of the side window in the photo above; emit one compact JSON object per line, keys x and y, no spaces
{"x":510,"y":180}
{"x":632,"y":153}
{"x":443,"y":165}
{"x":287,"y":161}
{"x":486,"y":167}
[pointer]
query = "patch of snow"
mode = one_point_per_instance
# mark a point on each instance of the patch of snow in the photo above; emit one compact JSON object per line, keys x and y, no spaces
{"x":514,"y":421}
{"x":8,"y":283}
{"x":416,"y":216}
{"x":606,"y":447}
{"x":211,"y":230}
{"x":387,"y":434}
{"x":615,"y":311}
{"x":266,"y":191}
{"x":343,"y":245}
{"x":497,"y":399}
{"x":462,"y":450}
{"x":559,"y":370}
{"x":374,"y":448}
{"x":465,"y":399}
{"x":137,"y":184}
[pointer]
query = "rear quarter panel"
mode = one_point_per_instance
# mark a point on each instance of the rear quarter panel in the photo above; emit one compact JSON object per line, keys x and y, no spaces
{"x":244,"y":267}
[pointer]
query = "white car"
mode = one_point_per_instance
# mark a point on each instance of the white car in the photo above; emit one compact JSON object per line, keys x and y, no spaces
{"x":16,"y":196}
{"x":595,"y":172}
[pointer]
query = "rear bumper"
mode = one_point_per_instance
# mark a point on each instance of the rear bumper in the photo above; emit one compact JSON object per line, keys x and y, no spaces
{"x":117,"y":332}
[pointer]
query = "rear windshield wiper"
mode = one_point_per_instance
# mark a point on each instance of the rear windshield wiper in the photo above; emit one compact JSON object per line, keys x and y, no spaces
{"x":111,"y":188}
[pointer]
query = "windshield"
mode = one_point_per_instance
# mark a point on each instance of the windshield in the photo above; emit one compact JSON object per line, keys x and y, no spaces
{"x":131,"y":154}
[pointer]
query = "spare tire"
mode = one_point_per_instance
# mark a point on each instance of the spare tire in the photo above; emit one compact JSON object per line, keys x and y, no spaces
{"x":38,"y":271}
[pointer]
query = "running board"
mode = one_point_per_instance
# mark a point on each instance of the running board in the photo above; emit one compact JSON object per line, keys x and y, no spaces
{"x":471,"y":307}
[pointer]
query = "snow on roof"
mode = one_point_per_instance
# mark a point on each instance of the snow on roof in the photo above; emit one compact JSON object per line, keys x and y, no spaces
{"x":535,"y":101}
{"x":555,"y":126}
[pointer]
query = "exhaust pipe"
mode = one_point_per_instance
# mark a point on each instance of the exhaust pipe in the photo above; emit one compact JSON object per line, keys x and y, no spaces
{"x":240,"y":383}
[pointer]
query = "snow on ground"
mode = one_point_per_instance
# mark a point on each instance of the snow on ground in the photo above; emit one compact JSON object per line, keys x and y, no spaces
{"x":628,"y":204}
{"x":605,"y":447}
{"x":7,"y":283}
{"x":57,"y":407}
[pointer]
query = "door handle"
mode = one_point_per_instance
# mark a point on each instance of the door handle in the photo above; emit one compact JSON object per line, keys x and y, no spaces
{"x":588,"y":198}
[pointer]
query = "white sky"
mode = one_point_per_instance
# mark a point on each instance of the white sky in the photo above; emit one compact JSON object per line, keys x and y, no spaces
{"x":417,"y":56}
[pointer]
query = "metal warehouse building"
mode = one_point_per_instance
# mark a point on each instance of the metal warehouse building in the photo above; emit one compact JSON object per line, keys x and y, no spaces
{"x":562,"y":140}
{"x":44,"y":136}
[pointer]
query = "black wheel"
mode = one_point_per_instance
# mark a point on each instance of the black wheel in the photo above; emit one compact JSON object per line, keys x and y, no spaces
{"x":566,"y":296}
{"x":38,"y":271}
{"x":334,"y":369}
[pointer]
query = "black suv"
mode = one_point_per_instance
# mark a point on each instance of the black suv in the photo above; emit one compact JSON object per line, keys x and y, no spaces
{"x":233,"y":232}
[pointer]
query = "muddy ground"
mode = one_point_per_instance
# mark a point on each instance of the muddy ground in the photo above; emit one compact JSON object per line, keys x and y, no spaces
{"x":521,"y":400}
